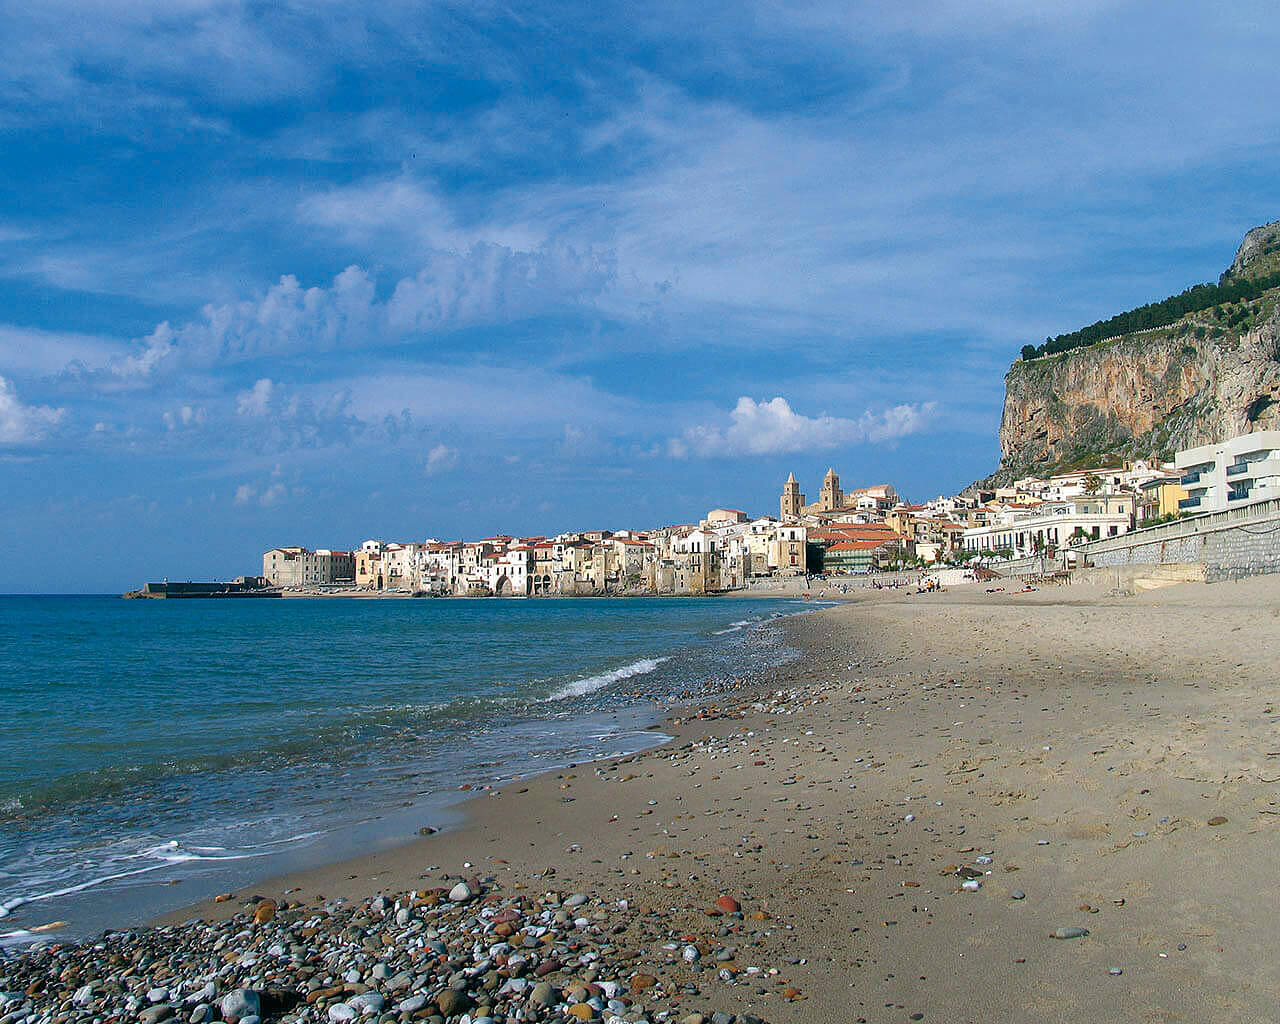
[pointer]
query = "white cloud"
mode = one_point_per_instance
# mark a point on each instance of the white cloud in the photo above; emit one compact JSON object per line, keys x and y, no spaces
{"x":185,"y":416}
{"x":773,"y":427}
{"x":441,"y":459}
{"x":486,"y":284}
{"x":247,"y":494}
{"x":22,"y":424}
{"x":257,"y":400}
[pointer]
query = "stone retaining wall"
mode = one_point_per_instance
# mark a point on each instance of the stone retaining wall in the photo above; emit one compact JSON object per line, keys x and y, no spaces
{"x":1230,"y":545}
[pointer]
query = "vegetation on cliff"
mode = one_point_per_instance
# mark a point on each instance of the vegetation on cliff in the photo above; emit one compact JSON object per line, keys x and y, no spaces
{"x":1196,"y":367}
{"x":1169,"y":311}
{"x":1239,"y":301}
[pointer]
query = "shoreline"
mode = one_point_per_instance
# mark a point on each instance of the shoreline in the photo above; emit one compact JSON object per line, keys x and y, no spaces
{"x":182,"y":864}
{"x":1093,"y":763}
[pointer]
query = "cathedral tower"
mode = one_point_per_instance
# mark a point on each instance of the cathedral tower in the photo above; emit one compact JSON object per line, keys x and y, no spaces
{"x":792,"y":499}
{"x":832,"y":497}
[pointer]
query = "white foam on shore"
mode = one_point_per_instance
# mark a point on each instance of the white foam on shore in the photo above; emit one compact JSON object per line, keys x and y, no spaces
{"x":580,"y":687}
{"x":163,"y":854}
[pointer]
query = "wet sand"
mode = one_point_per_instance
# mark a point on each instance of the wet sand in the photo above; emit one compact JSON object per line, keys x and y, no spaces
{"x":1080,"y":741}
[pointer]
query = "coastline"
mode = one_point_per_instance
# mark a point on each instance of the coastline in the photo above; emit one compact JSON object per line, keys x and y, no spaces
{"x":1067,"y":747}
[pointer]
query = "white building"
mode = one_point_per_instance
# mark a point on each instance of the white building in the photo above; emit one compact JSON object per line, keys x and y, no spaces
{"x":1053,"y":525}
{"x":1230,"y":473}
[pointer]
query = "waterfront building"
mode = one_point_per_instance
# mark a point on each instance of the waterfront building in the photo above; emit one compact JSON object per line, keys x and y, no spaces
{"x":855,"y":556}
{"x":1230,"y":473}
{"x":1023,"y":531}
{"x":788,"y":553}
{"x":1159,"y":497}
{"x":299,"y":567}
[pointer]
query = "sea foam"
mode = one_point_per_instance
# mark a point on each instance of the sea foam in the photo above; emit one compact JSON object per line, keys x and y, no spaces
{"x":581,"y":687}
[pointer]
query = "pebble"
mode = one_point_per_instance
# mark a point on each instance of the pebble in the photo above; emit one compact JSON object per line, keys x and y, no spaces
{"x":1069,"y":933}
{"x":1018,"y":894}
{"x":243,"y":1002}
{"x":452,"y":1002}
{"x":1115,"y":972}
{"x":460,"y":893}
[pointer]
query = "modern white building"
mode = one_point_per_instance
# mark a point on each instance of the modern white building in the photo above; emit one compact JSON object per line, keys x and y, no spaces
{"x":1230,"y":473}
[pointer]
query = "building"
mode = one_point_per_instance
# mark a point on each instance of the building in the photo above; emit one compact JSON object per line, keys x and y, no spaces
{"x":1230,"y":473}
{"x":1019,"y":532}
{"x":878,"y":498}
{"x":831,"y":497}
{"x":792,"y":499}
{"x":855,"y":556}
{"x":1159,"y":497}
{"x":788,"y":550}
{"x":299,"y":567}
{"x":722,"y":516}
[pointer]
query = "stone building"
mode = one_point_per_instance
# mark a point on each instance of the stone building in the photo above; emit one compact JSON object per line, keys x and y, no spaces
{"x":299,"y":567}
{"x":792,"y":499}
{"x":831,"y":497}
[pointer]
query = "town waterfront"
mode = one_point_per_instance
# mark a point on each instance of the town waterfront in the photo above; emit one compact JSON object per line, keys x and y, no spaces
{"x":153,"y":753}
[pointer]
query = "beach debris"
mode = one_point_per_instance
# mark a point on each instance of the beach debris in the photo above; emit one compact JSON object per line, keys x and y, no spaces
{"x":1069,"y":933}
{"x":1017,"y":894}
{"x":1217,"y":820}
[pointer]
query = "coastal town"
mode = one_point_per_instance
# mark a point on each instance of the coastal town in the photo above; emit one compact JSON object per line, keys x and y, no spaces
{"x":852,"y":533}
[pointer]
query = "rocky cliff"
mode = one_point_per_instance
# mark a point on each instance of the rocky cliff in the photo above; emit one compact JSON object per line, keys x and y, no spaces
{"x":1211,"y":375}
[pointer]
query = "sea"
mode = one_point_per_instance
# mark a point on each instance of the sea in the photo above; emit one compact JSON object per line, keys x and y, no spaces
{"x":155,"y":753}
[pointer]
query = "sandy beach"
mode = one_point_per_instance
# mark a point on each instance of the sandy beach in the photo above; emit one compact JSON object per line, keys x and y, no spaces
{"x":1092,"y":762}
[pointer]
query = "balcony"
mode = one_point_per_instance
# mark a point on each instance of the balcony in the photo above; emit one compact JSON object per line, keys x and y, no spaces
{"x":1240,"y":495}
{"x":1237,"y":469}
{"x":1190,"y":478}
{"x":1190,"y":502}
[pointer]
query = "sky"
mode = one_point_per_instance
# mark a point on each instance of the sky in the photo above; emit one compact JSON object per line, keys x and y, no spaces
{"x":285,"y":273}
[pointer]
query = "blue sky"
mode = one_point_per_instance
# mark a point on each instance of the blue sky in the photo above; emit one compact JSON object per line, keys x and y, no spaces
{"x":281,"y":273}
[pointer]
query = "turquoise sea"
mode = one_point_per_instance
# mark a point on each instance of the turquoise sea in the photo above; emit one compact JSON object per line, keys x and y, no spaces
{"x":155,"y":752}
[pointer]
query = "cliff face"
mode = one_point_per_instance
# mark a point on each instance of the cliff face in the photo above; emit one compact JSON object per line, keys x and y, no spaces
{"x":1211,"y":375}
{"x":1138,"y":396}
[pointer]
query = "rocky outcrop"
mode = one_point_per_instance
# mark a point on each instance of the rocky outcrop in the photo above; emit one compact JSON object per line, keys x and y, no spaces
{"x":1258,"y":255}
{"x":1154,"y":392}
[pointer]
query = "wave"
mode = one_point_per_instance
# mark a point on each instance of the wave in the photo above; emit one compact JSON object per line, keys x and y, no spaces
{"x":164,"y":855}
{"x":581,"y":687}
